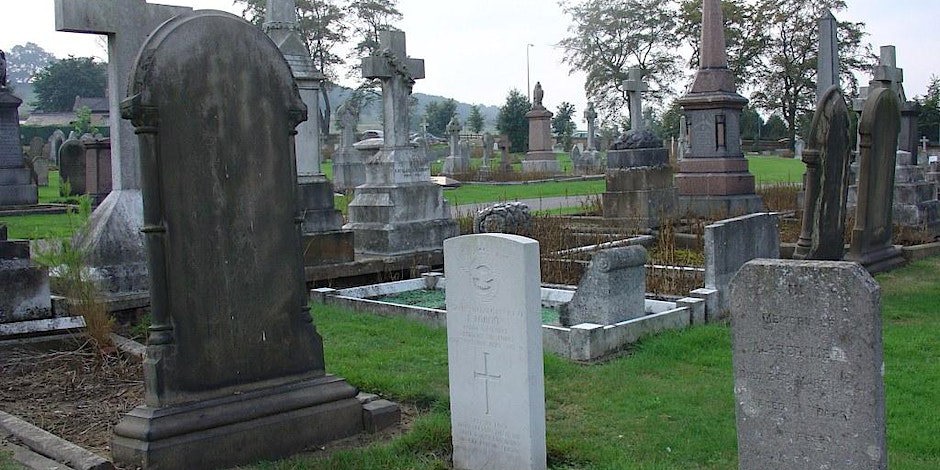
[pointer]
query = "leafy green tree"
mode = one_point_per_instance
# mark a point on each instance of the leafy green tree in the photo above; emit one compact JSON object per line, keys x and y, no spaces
{"x":25,"y":61}
{"x":563,"y":124}
{"x":670,"y":121}
{"x":475,"y":120}
{"x":774,"y":129}
{"x":57,"y":85}
{"x":785,"y":77}
{"x":438,"y":114}
{"x":323,"y":26}
{"x":82,"y":124}
{"x":512,"y":120}
{"x":607,"y":37}
{"x":751,"y":124}
{"x":928,"y":123}
{"x":367,"y":18}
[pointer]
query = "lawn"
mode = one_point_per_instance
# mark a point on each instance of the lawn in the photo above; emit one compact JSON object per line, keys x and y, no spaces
{"x":668,"y":404}
{"x":769,"y":170}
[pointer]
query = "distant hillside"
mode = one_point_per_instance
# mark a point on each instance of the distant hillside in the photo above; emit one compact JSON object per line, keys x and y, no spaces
{"x":371,"y":116}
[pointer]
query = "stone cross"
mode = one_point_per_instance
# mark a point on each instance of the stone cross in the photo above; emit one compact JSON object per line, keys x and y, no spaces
{"x":590,"y":115}
{"x":126,"y":23}
{"x":887,"y":74}
{"x":827,"y":64}
{"x":635,"y":87}
{"x":348,"y":120}
{"x":398,"y":73}
{"x":924,"y":141}
{"x":453,"y":131}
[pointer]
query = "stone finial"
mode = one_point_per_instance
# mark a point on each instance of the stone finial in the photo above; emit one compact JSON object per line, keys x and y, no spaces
{"x":537,"y":95}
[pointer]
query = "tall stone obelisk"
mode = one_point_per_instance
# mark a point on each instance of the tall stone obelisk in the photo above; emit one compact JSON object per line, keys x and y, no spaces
{"x":324,"y":241}
{"x":713,"y":178}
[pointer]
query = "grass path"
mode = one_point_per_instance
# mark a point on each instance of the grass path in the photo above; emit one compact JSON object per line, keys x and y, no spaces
{"x":668,"y":404}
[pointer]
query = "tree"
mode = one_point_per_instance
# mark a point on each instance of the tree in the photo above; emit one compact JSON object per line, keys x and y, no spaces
{"x":367,"y":18}
{"x":785,"y":77}
{"x":57,"y":85}
{"x":24,"y":61}
{"x":438,"y":114}
{"x":475,"y":121}
{"x":323,"y":27}
{"x":928,"y":123}
{"x":751,"y":124}
{"x":670,"y":121}
{"x":607,"y":37}
{"x":774,"y":129}
{"x":563,"y":125}
{"x":512,"y":120}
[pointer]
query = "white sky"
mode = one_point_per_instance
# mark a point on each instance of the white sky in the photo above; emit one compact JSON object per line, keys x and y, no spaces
{"x":475,"y":50}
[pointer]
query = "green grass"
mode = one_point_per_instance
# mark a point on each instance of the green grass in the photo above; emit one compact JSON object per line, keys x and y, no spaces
{"x":471,"y":194}
{"x":768,"y":170}
{"x":666,"y":405}
{"x":7,"y":462}
{"x":40,"y":226}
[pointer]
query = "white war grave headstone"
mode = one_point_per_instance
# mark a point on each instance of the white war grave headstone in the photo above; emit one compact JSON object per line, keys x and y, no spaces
{"x":494,"y":350}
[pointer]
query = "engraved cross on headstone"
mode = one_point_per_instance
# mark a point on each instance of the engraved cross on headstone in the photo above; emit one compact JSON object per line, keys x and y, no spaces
{"x":398,"y":73}
{"x":635,"y":87}
{"x":486,"y":376}
{"x":126,"y":23}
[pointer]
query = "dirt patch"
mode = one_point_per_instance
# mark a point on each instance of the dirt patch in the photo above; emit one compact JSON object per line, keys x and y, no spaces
{"x":71,"y":392}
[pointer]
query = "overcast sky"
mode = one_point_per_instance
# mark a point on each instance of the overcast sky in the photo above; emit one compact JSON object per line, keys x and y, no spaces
{"x":475,"y":50}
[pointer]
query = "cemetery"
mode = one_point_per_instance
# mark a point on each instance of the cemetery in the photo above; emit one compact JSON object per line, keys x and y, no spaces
{"x":237,"y":271}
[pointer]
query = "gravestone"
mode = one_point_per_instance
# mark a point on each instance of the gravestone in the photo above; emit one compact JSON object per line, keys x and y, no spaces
{"x":494,"y":351}
{"x":24,"y":286}
{"x":41,"y":168}
{"x":35,"y":147}
{"x":504,"y":145}
{"x":808,"y":366}
{"x":878,"y":127}
{"x":234,"y":371}
{"x":488,"y":143}
{"x":398,"y":211}
{"x":98,"y":179}
{"x":639,"y":191}
{"x":827,"y":181}
{"x":503,"y":217}
{"x":540,"y":158}
{"x":713,"y":176}
{"x":349,"y":169}
{"x":612,"y":290}
{"x":635,"y":87}
{"x":16,"y":185}
{"x":72,"y":168}
{"x":113,"y":240}
{"x":798,"y":147}
{"x":55,"y":142}
{"x":455,"y":162}
{"x":731,"y":243}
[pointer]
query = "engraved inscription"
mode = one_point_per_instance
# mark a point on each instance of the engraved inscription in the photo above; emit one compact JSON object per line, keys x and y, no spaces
{"x":485,"y":435}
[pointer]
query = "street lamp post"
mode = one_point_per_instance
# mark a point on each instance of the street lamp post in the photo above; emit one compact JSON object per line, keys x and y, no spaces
{"x":528,"y":74}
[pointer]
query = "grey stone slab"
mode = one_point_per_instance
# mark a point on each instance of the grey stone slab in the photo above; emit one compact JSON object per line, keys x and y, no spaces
{"x":52,"y":446}
{"x":808,"y":366}
{"x":612,"y":289}
{"x":494,"y":349}
{"x":732,"y":242}
{"x":234,"y":362}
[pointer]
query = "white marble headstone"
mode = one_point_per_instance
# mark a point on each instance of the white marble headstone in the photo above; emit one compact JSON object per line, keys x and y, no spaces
{"x":494,"y":348}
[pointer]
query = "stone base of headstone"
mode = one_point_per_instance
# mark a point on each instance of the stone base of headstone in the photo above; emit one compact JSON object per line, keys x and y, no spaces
{"x":640,"y":187}
{"x":24,"y":286}
{"x":399,"y":210}
{"x":884,"y":259}
{"x":348,"y":170}
{"x":540,"y":162}
{"x":332,"y":247}
{"x":224,"y":432}
{"x":720,"y":206}
{"x":454,"y":165}
{"x":316,"y":203}
{"x":17,"y":187}
{"x":115,"y":245}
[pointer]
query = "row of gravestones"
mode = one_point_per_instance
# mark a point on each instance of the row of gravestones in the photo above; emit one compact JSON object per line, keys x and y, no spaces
{"x":807,"y":358}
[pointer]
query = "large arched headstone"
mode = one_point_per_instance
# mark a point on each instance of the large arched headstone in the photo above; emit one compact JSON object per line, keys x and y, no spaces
{"x":215,"y":106}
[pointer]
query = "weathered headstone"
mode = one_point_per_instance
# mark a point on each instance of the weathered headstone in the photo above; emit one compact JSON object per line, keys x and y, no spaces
{"x":35,"y":147}
{"x":349,"y":169}
{"x":540,"y":158}
{"x":612,"y":290}
{"x":55,"y":142}
{"x":113,"y":241}
{"x":504,"y":145}
{"x":98,"y":179}
{"x":731,"y":243}
{"x":494,"y":350}
{"x":398,"y":211}
{"x":24,"y":286}
{"x":16,"y":185}
{"x":878,"y":127}
{"x":503,"y":217}
{"x":808,"y":366}
{"x":455,"y":162}
{"x":234,"y":369}
{"x":827,"y":181}
{"x":488,"y":143}
{"x":713,"y":175}
{"x":41,"y":168}
{"x":72,"y":168}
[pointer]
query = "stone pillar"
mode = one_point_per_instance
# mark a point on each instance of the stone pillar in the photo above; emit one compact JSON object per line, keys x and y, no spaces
{"x":16,"y":184}
{"x":640,"y":193}
{"x":540,"y":158}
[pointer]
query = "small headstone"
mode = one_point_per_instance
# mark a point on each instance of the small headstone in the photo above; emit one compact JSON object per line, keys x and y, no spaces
{"x":827,"y":181}
{"x":732,"y":242}
{"x":612,"y":290}
{"x":494,"y":350}
{"x":808,"y":366}
{"x":41,"y":168}
{"x":798,"y":147}
{"x":72,"y":167}
{"x":97,"y":168}
{"x":55,"y":141}
{"x":35,"y":147}
{"x":349,"y":168}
